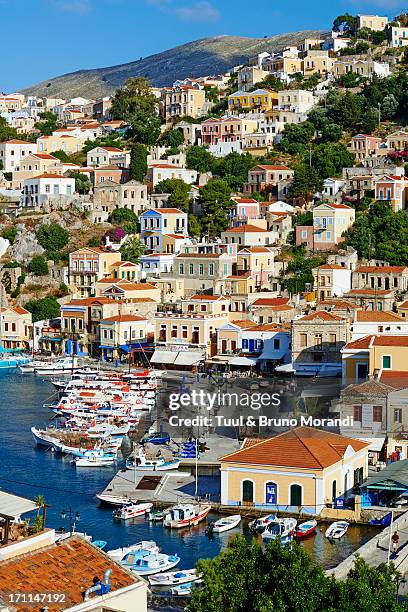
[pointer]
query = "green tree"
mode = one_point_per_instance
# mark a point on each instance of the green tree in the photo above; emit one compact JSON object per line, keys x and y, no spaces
{"x":48,"y":124}
{"x":329,"y":159}
{"x":198,"y":158}
{"x":306,"y":182}
{"x":38,"y":266}
{"x":172,"y":138}
{"x":62,"y":156}
{"x":122,"y":216}
{"x":44,"y":308}
{"x":10,"y":233}
{"x":138,"y":162}
{"x":271,"y":82}
{"x":389,"y":107}
{"x":214,"y":199}
{"x":132,"y":249}
{"x":233,"y":168}
{"x":109,"y":140}
{"x":178,"y":190}
{"x":7,"y":132}
{"x":346,"y":23}
{"x":194,"y":226}
{"x":52,"y":237}
{"x":83,"y":184}
{"x":136,"y":104}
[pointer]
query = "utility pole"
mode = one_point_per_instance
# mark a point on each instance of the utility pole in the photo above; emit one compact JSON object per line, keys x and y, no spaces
{"x":379,"y":114}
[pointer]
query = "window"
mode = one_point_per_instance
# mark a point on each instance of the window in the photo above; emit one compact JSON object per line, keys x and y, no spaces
{"x":397,"y":415}
{"x":181,"y":268}
{"x":386,"y":362}
{"x":332,"y":338}
{"x":201,"y":269}
{"x":357,"y":413}
{"x":303,"y":340}
{"x":377,"y":414}
{"x":211,"y":269}
{"x":318,"y":340}
{"x":191,"y":269}
{"x":276,"y":344}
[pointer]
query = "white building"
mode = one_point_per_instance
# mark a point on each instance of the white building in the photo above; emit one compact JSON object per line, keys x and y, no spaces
{"x":13,"y":151}
{"x":367,"y":322}
{"x":160,"y":172}
{"x":105,"y":156}
{"x":397,"y":36}
{"x":295,"y":100}
{"x":156,"y":264}
{"x":41,"y":189}
{"x":331,"y":187}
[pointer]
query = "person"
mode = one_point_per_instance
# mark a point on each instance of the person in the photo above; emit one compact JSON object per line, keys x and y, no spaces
{"x":395,"y":541}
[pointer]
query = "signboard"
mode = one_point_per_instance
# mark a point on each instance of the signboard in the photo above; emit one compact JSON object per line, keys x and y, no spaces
{"x":271,"y":491}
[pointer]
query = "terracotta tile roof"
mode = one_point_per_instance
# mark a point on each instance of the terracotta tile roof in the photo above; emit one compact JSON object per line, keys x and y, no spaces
{"x":331,"y":267}
{"x":403,"y":305}
{"x":20,"y":142}
{"x":49,"y":176}
{"x":126,"y":318}
{"x":338,"y":206}
{"x":361,"y":343}
{"x":112,"y":149}
{"x":339,"y":304}
{"x":382,"y":269}
{"x":249,"y":442}
{"x":169,"y":211}
{"x":125,"y":284}
{"x":208,"y":298}
{"x":369,"y":292}
{"x":244,"y":323}
{"x":111,"y":167}
{"x":391,"y":341}
{"x":321,"y":314}
{"x":268,"y":327}
{"x":278,"y":301}
{"x":395,"y":379}
{"x":68,"y":568}
{"x":244,"y":201}
{"x":240,"y":276}
{"x":370,"y":387}
{"x":303,"y":447}
{"x":255,"y":249}
{"x":20,"y":310}
{"x":245,"y":228}
{"x":198,"y":255}
{"x":267,"y":167}
{"x":89,"y":301}
{"x":45,"y":156}
{"x":375,"y":316}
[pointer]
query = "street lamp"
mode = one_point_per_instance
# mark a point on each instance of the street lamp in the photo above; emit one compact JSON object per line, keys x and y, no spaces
{"x":73,"y":518}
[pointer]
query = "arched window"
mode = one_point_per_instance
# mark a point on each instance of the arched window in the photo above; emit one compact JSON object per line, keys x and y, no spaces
{"x":295,"y":495}
{"x":271,"y":493}
{"x":247,"y":492}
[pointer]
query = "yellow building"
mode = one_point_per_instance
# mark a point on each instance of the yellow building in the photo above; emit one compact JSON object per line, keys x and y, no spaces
{"x":123,"y":331}
{"x":15,"y":327}
{"x":88,"y":265}
{"x":56,"y":142}
{"x":123,"y":289}
{"x":374,"y":355}
{"x":285,"y":64}
{"x":330,"y":221}
{"x":304,"y":468}
{"x":260,"y":100}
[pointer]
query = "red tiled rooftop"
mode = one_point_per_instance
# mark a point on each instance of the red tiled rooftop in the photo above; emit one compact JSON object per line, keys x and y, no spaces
{"x":303,"y":447}
{"x":375,"y":316}
{"x":278,"y":301}
{"x":321,"y":314}
{"x":382,"y":269}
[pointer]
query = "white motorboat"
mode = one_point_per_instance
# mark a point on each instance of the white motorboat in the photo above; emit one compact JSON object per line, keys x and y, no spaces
{"x":131,"y":511}
{"x":259,"y":524}
{"x":337,"y":530}
{"x":224,"y":524}
{"x":282,"y":527}
{"x":154,"y":563}
{"x":168,"y":579}
{"x":64,"y":365}
{"x":184,"y":590}
{"x":185,"y":515}
{"x":94,"y":461}
{"x":118,"y":554}
{"x":159,"y":464}
{"x":113,"y":500}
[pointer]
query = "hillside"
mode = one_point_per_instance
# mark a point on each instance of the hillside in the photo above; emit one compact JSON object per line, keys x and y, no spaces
{"x":197,"y":58}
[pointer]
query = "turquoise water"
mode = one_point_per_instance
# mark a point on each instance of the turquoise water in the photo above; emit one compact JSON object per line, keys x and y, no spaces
{"x":29,"y":471}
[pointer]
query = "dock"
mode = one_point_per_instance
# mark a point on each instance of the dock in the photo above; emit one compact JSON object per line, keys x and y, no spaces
{"x":375,"y":551}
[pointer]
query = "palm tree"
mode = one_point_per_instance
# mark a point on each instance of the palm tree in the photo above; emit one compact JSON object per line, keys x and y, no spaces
{"x":132,"y":249}
{"x":39,"y":522}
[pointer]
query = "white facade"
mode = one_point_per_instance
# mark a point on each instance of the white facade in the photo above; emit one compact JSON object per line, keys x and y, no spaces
{"x":160,"y":172}
{"x":331,"y":187}
{"x":13,"y":151}
{"x":398,"y":37}
{"x":221,"y":149}
{"x":295,"y":100}
{"x":156,"y":263}
{"x":105,"y":156}
{"x":359,"y":329}
{"x":41,"y":189}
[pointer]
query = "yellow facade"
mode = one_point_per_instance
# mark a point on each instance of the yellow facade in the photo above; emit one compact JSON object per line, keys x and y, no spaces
{"x":68,"y":144}
{"x":15,"y":327}
{"x":261,"y":99}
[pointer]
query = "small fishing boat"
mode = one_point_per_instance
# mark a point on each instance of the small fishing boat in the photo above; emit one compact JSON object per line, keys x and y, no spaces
{"x":184,"y":590}
{"x":113,"y":500}
{"x":337,"y":530}
{"x":282,"y":527}
{"x":167,"y":579}
{"x":153,"y":563}
{"x":258,"y":525}
{"x":160,"y":464}
{"x":157,"y":438}
{"x":65,"y":365}
{"x":155,"y":517}
{"x":185,"y":515}
{"x":99,"y":544}
{"x":94,"y":461}
{"x":306,"y":529}
{"x":131,"y":511}
{"x":118,"y":554}
{"x":224,"y":524}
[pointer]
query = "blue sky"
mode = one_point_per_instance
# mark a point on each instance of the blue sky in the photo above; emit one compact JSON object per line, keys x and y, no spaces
{"x":52,"y":37}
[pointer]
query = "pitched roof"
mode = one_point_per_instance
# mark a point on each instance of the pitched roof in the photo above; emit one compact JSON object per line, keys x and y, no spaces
{"x":321,"y":314}
{"x":255,"y":249}
{"x":267,"y":167}
{"x":368,"y":292}
{"x":68,"y":568}
{"x":302,"y":447}
{"x":382,"y":269}
{"x":278,"y":301}
{"x":395,"y":379}
{"x":361,"y":343}
{"x":208,"y":298}
{"x":244,"y":323}
{"x":50,"y":176}
{"x":15,"y":141}
{"x":245,"y":228}
{"x":369,"y":387}
{"x":331,"y":267}
{"x":125,"y":318}
{"x":391,"y":341}
{"x":403,"y":305}
{"x":45,"y":156}
{"x":374,"y":316}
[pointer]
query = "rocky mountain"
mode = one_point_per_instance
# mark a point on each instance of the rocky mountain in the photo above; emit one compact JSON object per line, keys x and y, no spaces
{"x":198,"y":58}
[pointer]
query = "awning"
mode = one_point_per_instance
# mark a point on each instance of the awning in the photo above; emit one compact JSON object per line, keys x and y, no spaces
{"x":376,"y":444}
{"x":189,"y":358}
{"x":163,"y":357}
{"x":287,"y":368}
{"x":243,"y":361}
{"x":272,"y":355}
{"x":12,"y":506}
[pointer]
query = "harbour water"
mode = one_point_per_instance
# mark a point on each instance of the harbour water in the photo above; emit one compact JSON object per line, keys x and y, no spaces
{"x":29,"y":471}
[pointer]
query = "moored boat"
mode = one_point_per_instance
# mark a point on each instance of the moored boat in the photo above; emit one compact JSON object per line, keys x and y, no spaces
{"x":259,"y":524}
{"x":167,"y":579}
{"x":130,"y":511}
{"x":94,"y":461}
{"x":118,"y":554}
{"x":306,"y":529}
{"x":337,"y":530}
{"x":149,"y":564}
{"x":282,"y":528}
{"x":224,"y":524}
{"x":185,"y":515}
